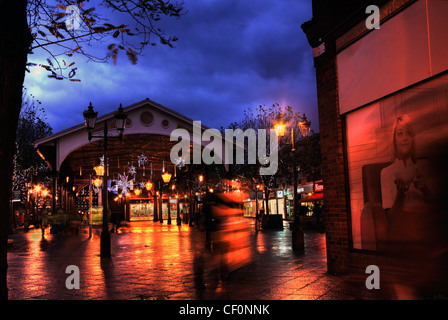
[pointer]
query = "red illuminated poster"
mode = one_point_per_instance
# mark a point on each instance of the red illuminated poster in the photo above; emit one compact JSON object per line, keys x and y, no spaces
{"x":396,"y":152}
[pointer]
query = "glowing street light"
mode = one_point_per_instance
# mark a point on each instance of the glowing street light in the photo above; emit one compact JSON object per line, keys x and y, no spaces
{"x":280,"y":129}
{"x":90,"y":117}
{"x":99,"y":170}
{"x":166,"y":177}
{"x":148,"y":185}
{"x":297,"y":233}
{"x":97,"y":182}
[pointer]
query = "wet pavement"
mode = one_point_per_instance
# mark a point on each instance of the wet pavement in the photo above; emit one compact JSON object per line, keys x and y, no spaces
{"x":154,"y":261}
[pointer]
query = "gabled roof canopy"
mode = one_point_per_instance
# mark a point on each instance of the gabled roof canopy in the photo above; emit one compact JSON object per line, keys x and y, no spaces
{"x":147,"y":132}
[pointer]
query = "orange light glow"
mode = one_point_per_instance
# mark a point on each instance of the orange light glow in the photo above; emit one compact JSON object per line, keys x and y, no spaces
{"x":97,"y":182}
{"x":280,"y":129}
{"x":166,"y":177}
{"x":99,"y":170}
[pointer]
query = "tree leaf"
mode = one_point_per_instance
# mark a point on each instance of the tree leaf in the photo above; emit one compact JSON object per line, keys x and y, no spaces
{"x":72,"y":73}
{"x":88,"y":11}
{"x":99,"y":29}
{"x":109,"y":25}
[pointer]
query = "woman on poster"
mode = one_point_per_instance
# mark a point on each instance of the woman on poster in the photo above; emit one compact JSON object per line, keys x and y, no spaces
{"x":404,"y":182}
{"x":406,"y":198}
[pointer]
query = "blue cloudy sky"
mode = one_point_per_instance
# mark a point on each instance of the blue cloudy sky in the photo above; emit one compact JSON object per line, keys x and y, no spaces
{"x":231,"y":55}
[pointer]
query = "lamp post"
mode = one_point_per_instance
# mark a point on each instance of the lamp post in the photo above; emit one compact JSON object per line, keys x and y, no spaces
{"x":256,"y":207}
{"x":179,"y":163}
{"x":90,"y":117}
{"x":298,"y":243}
{"x":166,"y":177}
{"x":178,"y":219}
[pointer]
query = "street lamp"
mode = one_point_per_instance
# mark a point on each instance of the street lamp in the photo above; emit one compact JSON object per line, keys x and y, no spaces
{"x":297,"y":232}
{"x":99,"y":170}
{"x":166,"y":177}
{"x":148,"y":186}
{"x":90,"y":117}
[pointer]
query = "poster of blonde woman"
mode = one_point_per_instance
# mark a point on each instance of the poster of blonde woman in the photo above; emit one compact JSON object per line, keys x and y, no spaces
{"x":397,"y":151}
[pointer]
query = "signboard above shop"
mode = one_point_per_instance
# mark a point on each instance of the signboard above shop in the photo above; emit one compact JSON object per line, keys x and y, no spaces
{"x":306,"y":188}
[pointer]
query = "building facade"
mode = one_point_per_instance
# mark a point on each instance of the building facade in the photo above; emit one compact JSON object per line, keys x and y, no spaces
{"x":383,"y":111}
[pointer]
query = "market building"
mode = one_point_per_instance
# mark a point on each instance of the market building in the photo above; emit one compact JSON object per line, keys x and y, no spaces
{"x":136,"y":161}
{"x":382,"y":83}
{"x":143,"y":183}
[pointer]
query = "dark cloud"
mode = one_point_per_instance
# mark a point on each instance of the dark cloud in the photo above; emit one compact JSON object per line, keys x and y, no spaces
{"x":231,"y":55}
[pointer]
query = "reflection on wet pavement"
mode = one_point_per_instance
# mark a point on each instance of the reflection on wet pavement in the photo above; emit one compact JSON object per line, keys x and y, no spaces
{"x":159,"y":261}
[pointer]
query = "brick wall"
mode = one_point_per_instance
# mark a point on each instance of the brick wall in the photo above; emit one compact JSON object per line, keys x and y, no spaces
{"x":333,"y":174}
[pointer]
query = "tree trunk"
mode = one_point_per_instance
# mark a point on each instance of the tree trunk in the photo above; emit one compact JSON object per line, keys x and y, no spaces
{"x":15,"y":40}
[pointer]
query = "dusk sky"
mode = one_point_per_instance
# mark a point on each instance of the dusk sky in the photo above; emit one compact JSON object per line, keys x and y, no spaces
{"x":231,"y":55}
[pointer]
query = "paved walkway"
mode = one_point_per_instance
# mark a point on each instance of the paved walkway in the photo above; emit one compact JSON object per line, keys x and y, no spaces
{"x":153,"y":261}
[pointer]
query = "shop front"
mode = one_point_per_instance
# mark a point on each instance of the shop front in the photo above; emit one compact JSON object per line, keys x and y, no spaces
{"x":382,"y":97}
{"x":281,"y":201}
{"x":141,"y":210}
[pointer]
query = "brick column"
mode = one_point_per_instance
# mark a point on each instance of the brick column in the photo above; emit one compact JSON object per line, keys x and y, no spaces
{"x":333,"y":173}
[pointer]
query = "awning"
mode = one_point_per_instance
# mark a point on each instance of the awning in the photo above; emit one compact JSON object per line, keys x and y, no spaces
{"x":314,"y":197}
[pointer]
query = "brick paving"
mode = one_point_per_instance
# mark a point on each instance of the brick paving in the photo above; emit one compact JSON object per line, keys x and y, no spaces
{"x":153,"y":261}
